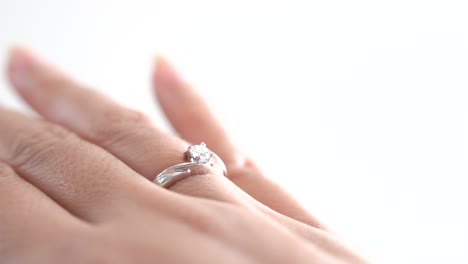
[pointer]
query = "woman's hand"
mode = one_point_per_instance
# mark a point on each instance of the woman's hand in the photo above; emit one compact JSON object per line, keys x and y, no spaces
{"x":76,"y":186}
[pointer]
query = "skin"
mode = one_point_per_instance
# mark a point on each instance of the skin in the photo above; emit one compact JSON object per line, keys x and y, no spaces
{"x":76,"y":184}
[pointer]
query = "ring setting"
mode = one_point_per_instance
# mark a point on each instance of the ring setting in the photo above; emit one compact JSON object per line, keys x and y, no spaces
{"x":200,"y":160}
{"x":200,"y":154}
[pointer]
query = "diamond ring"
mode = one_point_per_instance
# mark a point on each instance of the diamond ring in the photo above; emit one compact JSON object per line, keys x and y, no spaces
{"x":199,"y":161}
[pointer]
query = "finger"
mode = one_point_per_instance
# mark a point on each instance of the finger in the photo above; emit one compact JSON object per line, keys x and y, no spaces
{"x":81,"y":177}
{"x":27,"y":216}
{"x":192,"y":112}
{"x":125,"y":133}
{"x":197,"y":123}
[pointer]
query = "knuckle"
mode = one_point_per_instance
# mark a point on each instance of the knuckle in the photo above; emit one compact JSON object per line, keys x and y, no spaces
{"x":54,"y":132}
{"x":7,"y":179}
{"x":5,"y":171}
{"x":117,"y":125}
{"x":126,"y":117}
{"x":36,"y":146}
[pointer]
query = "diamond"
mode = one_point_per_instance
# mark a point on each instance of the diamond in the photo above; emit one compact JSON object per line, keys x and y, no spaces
{"x":200,"y":154}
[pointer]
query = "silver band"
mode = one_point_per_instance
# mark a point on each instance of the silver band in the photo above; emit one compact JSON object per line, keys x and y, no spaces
{"x":200,"y":161}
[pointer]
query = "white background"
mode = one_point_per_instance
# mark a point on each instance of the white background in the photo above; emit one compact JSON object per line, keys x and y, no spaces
{"x":358,"y":107}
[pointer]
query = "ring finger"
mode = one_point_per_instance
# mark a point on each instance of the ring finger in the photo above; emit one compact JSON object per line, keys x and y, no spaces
{"x":126,"y":134}
{"x":173,"y":93}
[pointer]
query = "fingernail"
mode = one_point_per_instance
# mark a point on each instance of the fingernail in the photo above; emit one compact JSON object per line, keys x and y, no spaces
{"x":22,"y":65}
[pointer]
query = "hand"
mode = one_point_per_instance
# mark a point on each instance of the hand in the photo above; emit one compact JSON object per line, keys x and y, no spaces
{"x":76,"y":186}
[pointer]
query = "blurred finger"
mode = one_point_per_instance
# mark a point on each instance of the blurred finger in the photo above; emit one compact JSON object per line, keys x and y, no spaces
{"x":193,"y":119}
{"x":186,"y":110}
